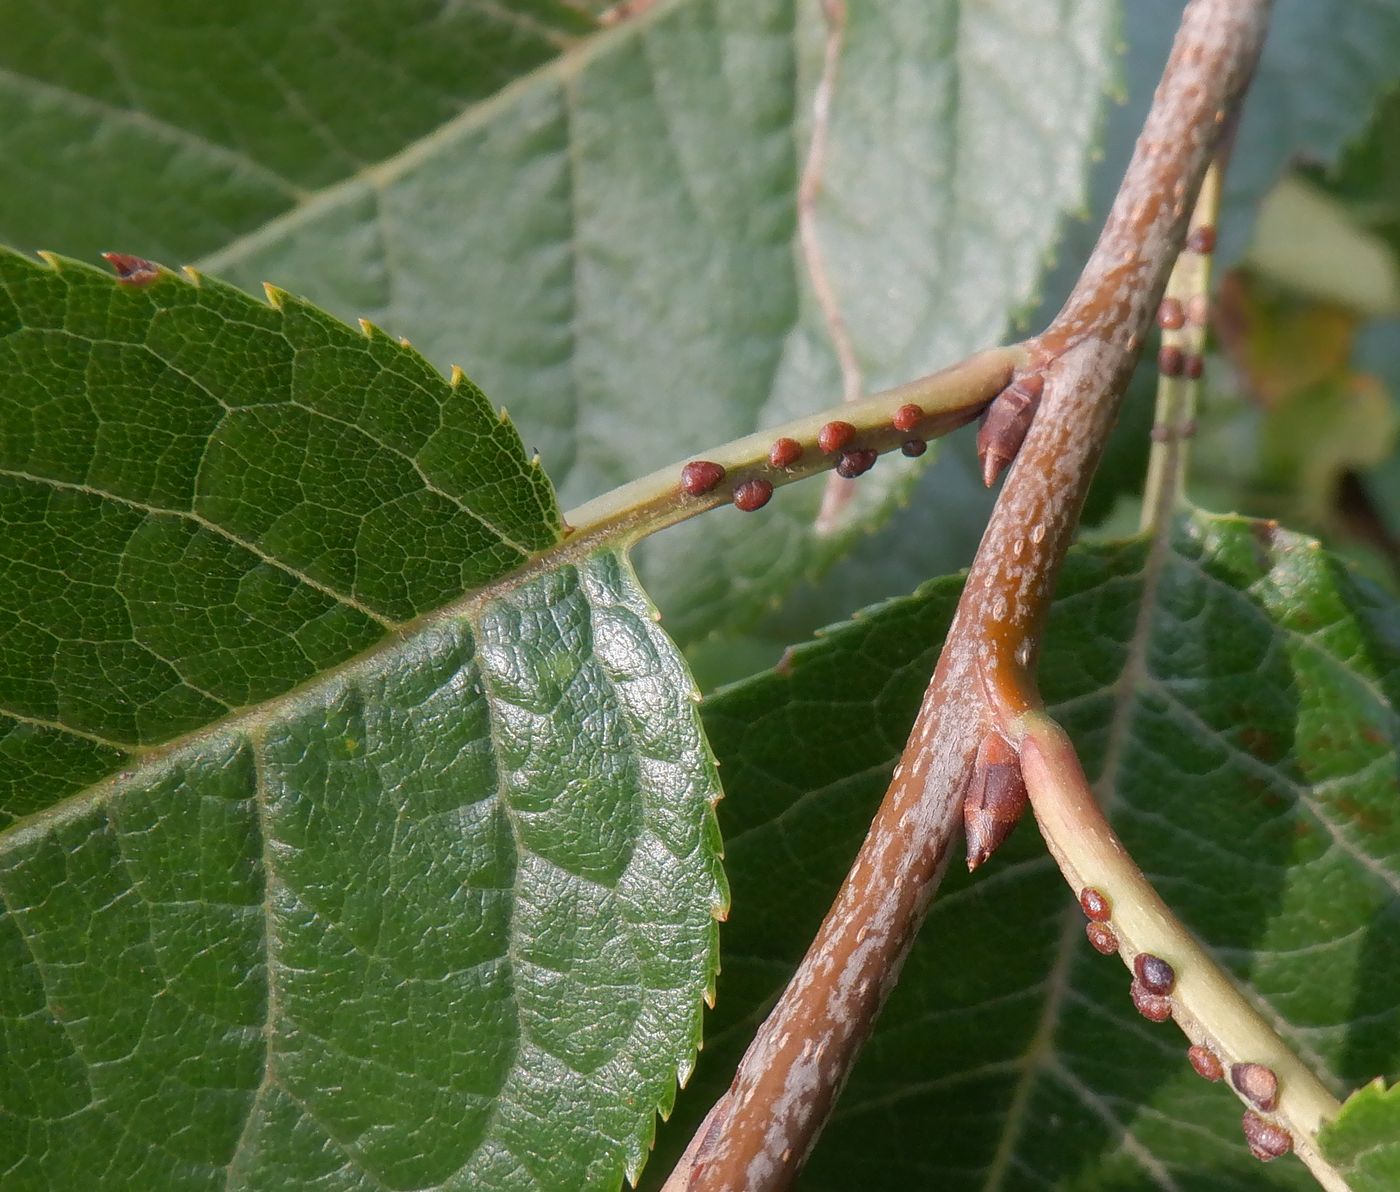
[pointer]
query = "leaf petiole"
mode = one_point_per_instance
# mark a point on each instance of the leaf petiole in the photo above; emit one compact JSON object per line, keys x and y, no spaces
{"x":945,"y":400}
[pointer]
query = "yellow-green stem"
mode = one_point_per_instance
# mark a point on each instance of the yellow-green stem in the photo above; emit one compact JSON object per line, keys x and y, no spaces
{"x":948,"y":399}
{"x":1206,"y":1004}
{"x":1173,"y":422}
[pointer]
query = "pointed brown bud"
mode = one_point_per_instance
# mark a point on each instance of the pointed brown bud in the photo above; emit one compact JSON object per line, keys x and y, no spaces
{"x":1005,"y":426}
{"x":996,"y":797}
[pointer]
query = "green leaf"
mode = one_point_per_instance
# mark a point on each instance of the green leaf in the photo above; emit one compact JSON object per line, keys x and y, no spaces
{"x":1364,"y":1140}
{"x":166,"y":131}
{"x":308,"y":881}
{"x":1237,"y":703}
{"x":612,"y":240}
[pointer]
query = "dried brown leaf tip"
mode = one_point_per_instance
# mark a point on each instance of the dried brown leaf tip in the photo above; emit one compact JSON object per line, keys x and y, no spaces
{"x":1007,"y":420}
{"x":995,"y":800}
{"x":132,"y":271}
{"x":1266,"y":1140}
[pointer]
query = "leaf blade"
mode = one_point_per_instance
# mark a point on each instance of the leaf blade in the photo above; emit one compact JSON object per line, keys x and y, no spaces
{"x":438,"y":905}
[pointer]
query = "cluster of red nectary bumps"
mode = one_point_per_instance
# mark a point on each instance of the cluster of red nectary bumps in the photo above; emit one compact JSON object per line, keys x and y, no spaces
{"x":702,"y":476}
{"x":1153,"y":982}
{"x":1173,"y":316}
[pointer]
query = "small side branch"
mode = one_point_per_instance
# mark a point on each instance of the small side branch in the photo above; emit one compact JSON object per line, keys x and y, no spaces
{"x":1174,"y":976}
{"x":1183,"y":318}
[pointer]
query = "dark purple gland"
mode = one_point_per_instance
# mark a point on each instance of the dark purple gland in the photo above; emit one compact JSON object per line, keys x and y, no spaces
{"x":1102,"y":937}
{"x":1257,"y":1083}
{"x":856,"y":461}
{"x":907,"y":417}
{"x":1171,"y":361}
{"x":700,"y":476}
{"x":833,"y":436}
{"x":1206,"y":1063}
{"x":914,"y":448}
{"x":784,"y":453}
{"x":1266,"y":1140}
{"x":1095,"y":905}
{"x":1171,"y":315}
{"x":1156,"y":975}
{"x":752,"y":494}
{"x":1151,"y":1006}
{"x":1195,"y":366}
{"x":1201,"y":240}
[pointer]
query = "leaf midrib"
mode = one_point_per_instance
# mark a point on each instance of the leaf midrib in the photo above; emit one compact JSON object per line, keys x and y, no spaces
{"x":253,"y":718}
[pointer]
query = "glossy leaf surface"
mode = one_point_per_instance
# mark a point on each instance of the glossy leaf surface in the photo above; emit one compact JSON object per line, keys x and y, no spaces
{"x":1364,"y":1141}
{"x":296,"y":894}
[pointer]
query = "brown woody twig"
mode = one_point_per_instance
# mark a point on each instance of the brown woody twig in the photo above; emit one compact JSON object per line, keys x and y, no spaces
{"x":759,"y":1133}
